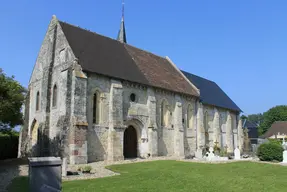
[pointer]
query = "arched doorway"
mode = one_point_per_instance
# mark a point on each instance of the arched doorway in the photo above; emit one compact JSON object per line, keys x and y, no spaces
{"x":34,"y":134}
{"x":130,"y":142}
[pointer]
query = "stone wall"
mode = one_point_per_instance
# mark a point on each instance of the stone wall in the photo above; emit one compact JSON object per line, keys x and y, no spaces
{"x":51,"y":68}
{"x":70,"y":128}
{"x":98,"y":133}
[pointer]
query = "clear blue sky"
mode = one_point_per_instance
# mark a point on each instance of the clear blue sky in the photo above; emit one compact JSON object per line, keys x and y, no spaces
{"x":241,"y":45}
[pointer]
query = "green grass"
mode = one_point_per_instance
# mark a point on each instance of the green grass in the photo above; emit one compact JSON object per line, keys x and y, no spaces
{"x":166,"y":176}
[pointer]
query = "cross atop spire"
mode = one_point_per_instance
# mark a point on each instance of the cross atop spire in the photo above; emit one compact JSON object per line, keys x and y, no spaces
{"x":122,"y":32}
{"x":123,"y":9}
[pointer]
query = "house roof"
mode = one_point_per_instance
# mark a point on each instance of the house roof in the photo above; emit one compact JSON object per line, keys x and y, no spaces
{"x":211,"y":93}
{"x":278,"y":127}
{"x":249,"y":124}
{"x":106,"y":56}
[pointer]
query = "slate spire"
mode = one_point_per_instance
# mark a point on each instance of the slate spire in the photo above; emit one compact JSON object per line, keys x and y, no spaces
{"x":122,"y":32}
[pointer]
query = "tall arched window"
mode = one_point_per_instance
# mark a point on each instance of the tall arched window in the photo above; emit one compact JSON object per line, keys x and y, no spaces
{"x":37,"y":101}
{"x":232,"y":128}
{"x":96,"y":108}
{"x":189,"y":121}
{"x":55,"y":93}
{"x":222,"y":131}
{"x":164,"y":113}
{"x":206,"y":126}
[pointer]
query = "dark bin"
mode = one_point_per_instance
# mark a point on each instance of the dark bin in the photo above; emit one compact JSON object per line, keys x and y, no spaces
{"x":45,"y":174}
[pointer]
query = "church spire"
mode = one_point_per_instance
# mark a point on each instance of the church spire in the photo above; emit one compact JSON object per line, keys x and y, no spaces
{"x":122,"y":32}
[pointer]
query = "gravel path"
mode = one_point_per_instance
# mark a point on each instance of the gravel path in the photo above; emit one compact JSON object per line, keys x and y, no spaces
{"x":99,"y":170}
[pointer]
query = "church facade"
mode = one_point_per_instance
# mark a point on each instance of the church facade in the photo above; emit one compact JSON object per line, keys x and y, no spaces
{"x":92,"y":98}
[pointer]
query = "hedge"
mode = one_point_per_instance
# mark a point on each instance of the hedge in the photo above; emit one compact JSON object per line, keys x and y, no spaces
{"x":8,"y":146}
{"x":270,"y":152}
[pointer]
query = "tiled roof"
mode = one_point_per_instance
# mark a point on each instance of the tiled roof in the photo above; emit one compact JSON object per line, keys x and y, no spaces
{"x":106,"y":56}
{"x":278,"y":127}
{"x":211,"y":93}
{"x":249,"y":124}
{"x":252,"y":128}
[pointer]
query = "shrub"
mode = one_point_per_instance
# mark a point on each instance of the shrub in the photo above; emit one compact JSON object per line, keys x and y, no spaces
{"x":8,"y":146}
{"x":275,"y":141}
{"x":87,"y":168}
{"x":270,"y":152}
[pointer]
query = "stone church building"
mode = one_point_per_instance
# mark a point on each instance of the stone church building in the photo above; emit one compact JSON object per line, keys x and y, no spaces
{"x":93,"y":98}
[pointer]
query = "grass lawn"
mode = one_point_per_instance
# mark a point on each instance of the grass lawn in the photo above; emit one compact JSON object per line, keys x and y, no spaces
{"x":165,"y":176}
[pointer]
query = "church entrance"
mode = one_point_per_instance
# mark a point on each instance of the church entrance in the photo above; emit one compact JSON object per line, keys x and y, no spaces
{"x":130,"y":142}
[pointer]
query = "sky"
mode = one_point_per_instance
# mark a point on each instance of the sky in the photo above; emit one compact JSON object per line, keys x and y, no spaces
{"x":241,"y":45}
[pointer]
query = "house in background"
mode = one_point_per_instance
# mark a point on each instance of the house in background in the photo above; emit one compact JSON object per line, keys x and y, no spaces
{"x":252,"y":130}
{"x":278,"y":130}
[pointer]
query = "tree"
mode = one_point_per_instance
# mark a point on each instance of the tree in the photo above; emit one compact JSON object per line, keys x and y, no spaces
{"x":243,"y":117}
{"x":277,"y":113}
{"x":11,"y":100}
{"x":256,"y":118}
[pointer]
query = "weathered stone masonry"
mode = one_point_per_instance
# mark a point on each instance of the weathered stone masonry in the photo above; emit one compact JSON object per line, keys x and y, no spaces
{"x":159,"y":116}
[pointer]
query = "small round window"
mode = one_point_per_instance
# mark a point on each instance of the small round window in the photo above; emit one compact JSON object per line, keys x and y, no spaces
{"x":133,"y":97}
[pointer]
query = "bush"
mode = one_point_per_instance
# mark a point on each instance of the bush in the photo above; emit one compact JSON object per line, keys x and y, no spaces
{"x":275,"y":141}
{"x":270,"y":152}
{"x":8,"y":146}
{"x":87,"y":168}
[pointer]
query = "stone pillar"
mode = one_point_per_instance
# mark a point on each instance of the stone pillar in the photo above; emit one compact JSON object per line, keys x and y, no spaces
{"x":200,"y":137}
{"x":240,"y":136}
{"x":234,"y":131}
{"x":229,"y":133}
{"x":235,"y":139}
{"x":178,"y":128}
{"x":152,"y":126}
{"x":79,"y":126}
{"x":78,"y":144}
{"x":116,"y":127}
{"x":216,"y":130}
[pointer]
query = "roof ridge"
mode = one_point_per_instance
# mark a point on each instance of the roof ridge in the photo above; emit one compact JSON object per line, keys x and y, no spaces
{"x":87,"y":30}
{"x":111,"y":39}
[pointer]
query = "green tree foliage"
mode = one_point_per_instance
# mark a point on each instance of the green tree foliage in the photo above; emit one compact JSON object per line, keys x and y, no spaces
{"x":277,"y":113}
{"x":8,"y":144}
{"x":256,"y":118}
{"x":243,"y":117}
{"x":271,"y":151}
{"x":11,"y":100}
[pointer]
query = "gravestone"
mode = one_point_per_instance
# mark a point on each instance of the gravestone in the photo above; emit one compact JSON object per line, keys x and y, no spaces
{"x":45,"y":174}
{"x":237,"y":154}
{"x":198,"y":154}
{"x":284,"y":145}
{"x":211,"y":155}
{"x":64,"y":167}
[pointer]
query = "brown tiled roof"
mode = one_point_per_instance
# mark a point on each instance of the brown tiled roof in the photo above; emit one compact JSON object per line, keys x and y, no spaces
{"x":278,"y":127}
{"x":106,"y":56}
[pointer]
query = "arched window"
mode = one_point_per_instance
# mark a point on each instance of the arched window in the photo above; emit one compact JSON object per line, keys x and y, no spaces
{"x":96,"y":108}
{"x":232,"y":128}
{"x":222,"y":131}
{"x":164,"y":113}
{"x":189,"y":121}
{"x":37,"y":101}
{"x":55,"y":92}
{"x":206,"y":126}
